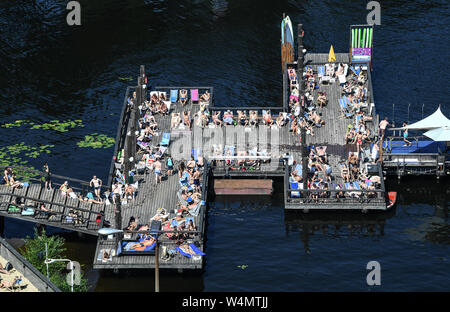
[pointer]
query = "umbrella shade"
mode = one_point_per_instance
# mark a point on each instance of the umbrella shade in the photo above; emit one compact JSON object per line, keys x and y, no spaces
{"x":439,"y":134}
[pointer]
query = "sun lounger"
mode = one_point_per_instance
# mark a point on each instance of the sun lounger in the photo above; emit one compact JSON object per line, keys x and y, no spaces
{"x":344,"y":109}
{"x":165,"y":139}
{"x":194,"y":96}
{"x":196,"y":250}
{"x":173,"y":96}
{"x":356,"y":186}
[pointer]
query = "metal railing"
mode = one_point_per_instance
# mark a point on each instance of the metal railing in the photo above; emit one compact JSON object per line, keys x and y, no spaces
{"x":121,"y":135}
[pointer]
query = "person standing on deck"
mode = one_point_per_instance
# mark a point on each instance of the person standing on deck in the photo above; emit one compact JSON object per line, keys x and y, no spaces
{"x":383,"y":124}
{"x":46,"y":176}
{"x":405,"y":135}
{"x":169,"y":166}
{"x":97,"y":184}
{"x":158,"y":174}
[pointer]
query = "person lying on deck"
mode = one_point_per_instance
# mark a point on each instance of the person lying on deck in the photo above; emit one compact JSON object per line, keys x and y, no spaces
{"x":183,"y":96}
{"x":9,"y":284}
{"x":204,"y":98}
{"x":132,"y":224}
{"x":187,"y":119}
{"x":143,"y":244}
{"x":176,"y":120}
{"x":318,"y":121}
{"x":90,"y":199}
{"x":187,"y":249}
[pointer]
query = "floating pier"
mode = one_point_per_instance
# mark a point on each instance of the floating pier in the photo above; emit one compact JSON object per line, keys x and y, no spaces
{"x":235,"y":150}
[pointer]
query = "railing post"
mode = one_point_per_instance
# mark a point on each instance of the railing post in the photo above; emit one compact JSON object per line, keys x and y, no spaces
{"x":300,"y":48}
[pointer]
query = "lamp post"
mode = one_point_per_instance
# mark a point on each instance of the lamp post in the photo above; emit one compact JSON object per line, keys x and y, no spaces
{"x":48,"y":261}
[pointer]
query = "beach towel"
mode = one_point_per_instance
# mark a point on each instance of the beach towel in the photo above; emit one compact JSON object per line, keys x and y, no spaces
{"x":196,"y":250}
{"x":194,"y":95}
{"x":173,"y":96}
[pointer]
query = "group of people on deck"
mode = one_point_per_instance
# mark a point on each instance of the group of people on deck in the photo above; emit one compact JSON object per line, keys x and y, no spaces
{"x":304,"y":110}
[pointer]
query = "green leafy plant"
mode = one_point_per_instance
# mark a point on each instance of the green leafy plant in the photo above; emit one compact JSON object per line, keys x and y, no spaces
{"x":96,"y":140}
{"x":34,"y":252}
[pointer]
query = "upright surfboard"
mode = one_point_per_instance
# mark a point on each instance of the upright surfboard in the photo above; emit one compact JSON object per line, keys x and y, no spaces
{"x":287,"y":42}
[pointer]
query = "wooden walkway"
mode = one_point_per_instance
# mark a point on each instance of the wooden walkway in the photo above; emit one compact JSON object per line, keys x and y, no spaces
{"x":58,"y":204}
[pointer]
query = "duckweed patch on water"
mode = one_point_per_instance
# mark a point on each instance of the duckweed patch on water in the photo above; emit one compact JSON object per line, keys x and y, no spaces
{"x":125,"y":78}
{"x":11,"y":156}
{"x":96,"y":140}
{"x":61,"y":126}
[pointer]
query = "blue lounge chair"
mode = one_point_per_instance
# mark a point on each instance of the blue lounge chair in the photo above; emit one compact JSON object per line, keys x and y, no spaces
{"x":165,"y":139}
{"x":181,"y":251}
{"x":229,"y":148}
{"x":173,"y":96}
{"x":344,"y":109}
{"x":196,"y":152}
{"x":196,"y":250}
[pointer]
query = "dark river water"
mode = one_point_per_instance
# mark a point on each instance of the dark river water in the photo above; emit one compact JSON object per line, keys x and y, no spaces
{"x":50,"y":71}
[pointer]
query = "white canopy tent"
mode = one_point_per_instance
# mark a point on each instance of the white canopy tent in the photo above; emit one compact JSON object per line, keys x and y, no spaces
{"x":441,"y":134}
{"x":435,"y":120}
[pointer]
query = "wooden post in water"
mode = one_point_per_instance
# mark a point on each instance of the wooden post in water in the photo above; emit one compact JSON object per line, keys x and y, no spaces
{"x":157,"y":266}
{"x":300,"y":48}
{"x":118,"y":212}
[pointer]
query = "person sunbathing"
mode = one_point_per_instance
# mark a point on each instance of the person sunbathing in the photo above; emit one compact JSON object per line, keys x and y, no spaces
{"x":345,"y":174}
{"x":9,"y":284}
{"x":280,"y":120}
{"x":294,"y":127}
{"x":132,"y":224}
{"x":268,"y":118}
{"x":183,"y":97}
{"x":187,"y":249}
{"x":228,"y":117}
{"x":176,"y":119}
{"x":129,"y":191}
{"x":187,"y":119}
{"x":142,"y":245}
{"x":154,"y":99}
{"x":253,"y":118}
{"x":3,"y":270}
{"x":163,"y":108}
{"x":316,"y":118}
{"x":216,"y":119}
{"x":350,"y":136}
{"x":242,"y":117}
{"x":322,"y":99}
{"x":204,"y":98}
